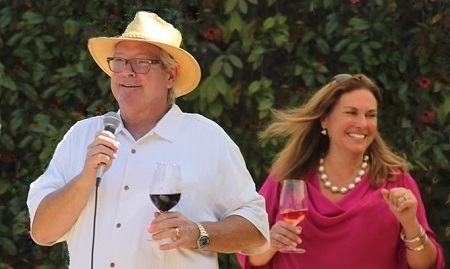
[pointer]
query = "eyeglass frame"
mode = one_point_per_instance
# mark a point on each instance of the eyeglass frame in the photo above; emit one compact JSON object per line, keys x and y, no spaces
{"x":132,"y":62}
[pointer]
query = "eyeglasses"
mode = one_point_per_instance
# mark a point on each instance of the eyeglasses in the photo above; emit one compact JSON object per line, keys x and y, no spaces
{"x":139,"y":66}
{"x":341,"y":77}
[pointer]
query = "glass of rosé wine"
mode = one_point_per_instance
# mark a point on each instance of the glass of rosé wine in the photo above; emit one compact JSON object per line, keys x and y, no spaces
{"x":293,"y":205}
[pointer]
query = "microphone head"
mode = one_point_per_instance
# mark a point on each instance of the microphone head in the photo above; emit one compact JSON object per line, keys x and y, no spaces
{"x":111,"y":121}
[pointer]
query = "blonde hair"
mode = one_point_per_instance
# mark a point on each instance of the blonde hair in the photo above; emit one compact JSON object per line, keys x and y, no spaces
{"x":305,"y":145}
{"x":169,"y":63}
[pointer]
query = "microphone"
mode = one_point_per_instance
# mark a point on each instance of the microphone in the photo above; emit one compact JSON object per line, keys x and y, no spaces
{"x":111,"y":120}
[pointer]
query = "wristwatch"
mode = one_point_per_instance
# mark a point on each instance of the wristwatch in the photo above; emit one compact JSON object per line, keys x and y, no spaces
{"x":203,"y":239}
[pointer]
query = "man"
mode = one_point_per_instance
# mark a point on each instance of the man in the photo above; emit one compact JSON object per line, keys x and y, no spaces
{"x":219,"y":210}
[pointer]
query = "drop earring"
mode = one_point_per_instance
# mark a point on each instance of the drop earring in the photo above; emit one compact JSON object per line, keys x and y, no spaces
{"x":324,"y":131}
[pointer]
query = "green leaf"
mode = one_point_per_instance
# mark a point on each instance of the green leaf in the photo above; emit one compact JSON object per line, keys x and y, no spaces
{"x":217,"y":66}
{"x":402,"y":65}
{"x":341,"y":45}
{"x":230,"y":5}
{"x":7,"y":82}
{"x":243,"y":7}
{"x":32,"y":17}
{"x":8,"y":245}
{"x":227,"y":69}
{"x":269,"y":23}
{"x":4,"y":187}
{"x":254,"y":87}
{"x":332,"y":24}
{"x":235,"y":61}
{"x":15,"y":39}
{"x":235,"y":23}
{"x":71,"y":27}
{"x":327,"y":3}
{"x":215,"y":109}
{"x":359,"y":23}
{"x":5,"y":17}
{"x":322,"y":46}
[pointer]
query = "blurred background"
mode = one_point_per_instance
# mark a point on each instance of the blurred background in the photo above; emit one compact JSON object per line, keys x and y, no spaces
{"x":255,"y":55}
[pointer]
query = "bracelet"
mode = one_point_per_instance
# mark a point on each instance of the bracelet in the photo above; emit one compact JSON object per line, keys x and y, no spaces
{"x":415,"y":239}
{"x":419,"y":248}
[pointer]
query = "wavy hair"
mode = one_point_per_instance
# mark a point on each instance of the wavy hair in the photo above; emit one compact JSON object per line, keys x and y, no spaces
{"x":305,"y":145}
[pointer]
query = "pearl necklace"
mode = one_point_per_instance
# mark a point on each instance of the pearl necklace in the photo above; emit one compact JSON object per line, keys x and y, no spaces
{"x":342,"y":190}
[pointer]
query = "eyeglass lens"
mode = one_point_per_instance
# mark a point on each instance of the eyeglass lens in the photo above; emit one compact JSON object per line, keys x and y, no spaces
{"x":140,"y":66}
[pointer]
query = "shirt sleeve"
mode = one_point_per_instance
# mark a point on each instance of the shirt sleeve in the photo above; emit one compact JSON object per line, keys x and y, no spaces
{"x":250,"y":204}
{"x":61,"y":169}
{"x":270,"y":190}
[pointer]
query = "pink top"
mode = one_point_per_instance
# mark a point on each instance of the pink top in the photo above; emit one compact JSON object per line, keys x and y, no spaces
{"x":357,"y":232}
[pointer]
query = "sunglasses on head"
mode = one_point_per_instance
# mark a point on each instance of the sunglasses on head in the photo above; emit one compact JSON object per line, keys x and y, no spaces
{"x":341,"y":77}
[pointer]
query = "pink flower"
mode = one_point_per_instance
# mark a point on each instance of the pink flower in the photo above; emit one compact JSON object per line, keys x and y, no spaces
{"x":354,"y":1}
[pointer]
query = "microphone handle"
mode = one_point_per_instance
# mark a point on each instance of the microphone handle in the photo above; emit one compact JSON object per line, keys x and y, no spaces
{"x":100,"y":168}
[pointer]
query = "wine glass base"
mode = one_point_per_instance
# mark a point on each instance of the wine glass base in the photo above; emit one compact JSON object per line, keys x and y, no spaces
{"x":293,"y":250}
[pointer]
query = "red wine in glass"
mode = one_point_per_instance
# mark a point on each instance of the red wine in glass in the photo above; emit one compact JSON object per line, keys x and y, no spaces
{"x":165,"y":187}
{"x":293,"y":205}
{"x":165,"y":202}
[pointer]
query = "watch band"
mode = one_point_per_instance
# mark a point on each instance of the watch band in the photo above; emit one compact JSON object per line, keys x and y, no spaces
{"x":203,"y":238}
{"x":202,"y":230}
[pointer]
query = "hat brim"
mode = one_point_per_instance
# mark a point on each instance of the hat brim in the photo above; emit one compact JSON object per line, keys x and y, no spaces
{"x":188,"y":75}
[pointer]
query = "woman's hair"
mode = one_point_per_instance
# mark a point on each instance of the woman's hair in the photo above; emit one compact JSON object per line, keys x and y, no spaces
{"x":305,"y":144}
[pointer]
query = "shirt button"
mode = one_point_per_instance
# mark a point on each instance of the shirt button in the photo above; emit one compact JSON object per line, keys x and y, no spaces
{"x":126,"y":188}
{"x":133,"y":151}
{"x":118,"y":225}
{"x":112,"y":264}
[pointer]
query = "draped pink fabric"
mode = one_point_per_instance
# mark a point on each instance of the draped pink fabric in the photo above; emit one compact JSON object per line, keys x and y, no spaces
{"x":357,"y":232}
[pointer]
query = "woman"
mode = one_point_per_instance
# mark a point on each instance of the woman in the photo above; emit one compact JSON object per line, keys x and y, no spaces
{"x":365,"y":209}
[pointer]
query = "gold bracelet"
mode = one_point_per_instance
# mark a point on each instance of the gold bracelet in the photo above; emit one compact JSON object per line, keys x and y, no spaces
{"x":415,"y":239}
{"x":419,"y":248}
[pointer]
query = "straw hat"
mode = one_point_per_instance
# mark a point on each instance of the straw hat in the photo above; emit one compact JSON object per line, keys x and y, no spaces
{"x":150,"y":28}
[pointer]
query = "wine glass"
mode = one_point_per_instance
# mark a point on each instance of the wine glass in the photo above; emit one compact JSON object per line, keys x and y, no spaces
{"x":165,"y":187}
{"x":293,"y":205}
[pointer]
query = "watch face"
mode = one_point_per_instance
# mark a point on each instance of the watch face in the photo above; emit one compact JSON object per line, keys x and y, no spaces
{"x":204,"y":241}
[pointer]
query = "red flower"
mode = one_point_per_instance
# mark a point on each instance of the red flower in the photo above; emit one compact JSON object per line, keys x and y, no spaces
{"x":424,"y":82}
{"x":427,"y":116}
{"x":212,"y":34}
{"x":321,"y":60}
{"x":4,"y":157}
{"x":354,"y":1}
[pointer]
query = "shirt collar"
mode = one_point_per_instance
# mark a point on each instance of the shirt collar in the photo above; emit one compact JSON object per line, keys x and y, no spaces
{"x":169,"y":125}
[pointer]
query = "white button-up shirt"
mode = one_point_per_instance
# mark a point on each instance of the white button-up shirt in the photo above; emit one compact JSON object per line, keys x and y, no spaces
{"x":216,"y":184}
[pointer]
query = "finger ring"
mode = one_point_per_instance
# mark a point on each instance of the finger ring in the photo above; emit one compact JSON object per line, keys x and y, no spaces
{"x":277,"y":237}
{"x":178,"y":232}
{"x":405,"y":197}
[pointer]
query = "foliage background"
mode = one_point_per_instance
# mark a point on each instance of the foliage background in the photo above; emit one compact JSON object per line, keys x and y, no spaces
{"x":255,"y":55}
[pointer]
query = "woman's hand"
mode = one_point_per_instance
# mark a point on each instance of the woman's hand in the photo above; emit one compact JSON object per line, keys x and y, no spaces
{"x":402,"y":203}
{"x":284,"y":235}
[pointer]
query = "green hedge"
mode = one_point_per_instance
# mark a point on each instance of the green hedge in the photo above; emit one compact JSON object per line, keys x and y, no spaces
{"x":255,"y":56}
